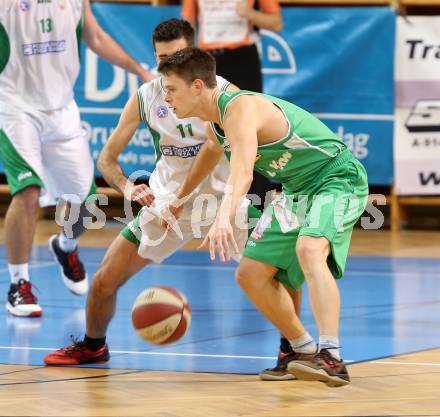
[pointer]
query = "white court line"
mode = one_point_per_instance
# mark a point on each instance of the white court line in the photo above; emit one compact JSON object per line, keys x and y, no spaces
{"x":406,"y":363}
{"x":130,"y":352}
{"x":204,"y":355}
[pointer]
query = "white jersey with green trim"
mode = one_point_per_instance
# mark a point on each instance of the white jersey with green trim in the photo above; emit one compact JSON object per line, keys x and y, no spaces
{"x":39,"y":52}
{"x":176,"y":143}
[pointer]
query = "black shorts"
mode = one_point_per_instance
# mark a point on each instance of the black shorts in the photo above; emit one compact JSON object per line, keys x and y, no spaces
{"x":240,"y":66}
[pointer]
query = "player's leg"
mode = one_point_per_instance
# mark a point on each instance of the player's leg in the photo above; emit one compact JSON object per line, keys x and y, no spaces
{"x":70,"y":180}
{"x":64,"y":245}
{"x":20,"y":154}
{"x":322,"y":250}
{"x":327,"y":365}
{"x":279,"y":372}
{"x":257,"y":279}
{"x":121,"y":261}
{"x":272,"y":244}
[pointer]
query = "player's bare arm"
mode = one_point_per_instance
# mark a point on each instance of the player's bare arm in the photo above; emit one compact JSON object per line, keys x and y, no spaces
{"x":240,"y":126}
{"x":104,"y":45}
{"x":108,"y":160}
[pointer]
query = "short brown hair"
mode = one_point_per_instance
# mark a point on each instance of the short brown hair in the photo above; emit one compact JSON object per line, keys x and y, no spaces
{"x":173,"y":29}
{"x":191,"y":63}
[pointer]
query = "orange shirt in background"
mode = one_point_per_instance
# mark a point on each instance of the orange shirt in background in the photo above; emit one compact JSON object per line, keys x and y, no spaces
{"x":219,"y":25}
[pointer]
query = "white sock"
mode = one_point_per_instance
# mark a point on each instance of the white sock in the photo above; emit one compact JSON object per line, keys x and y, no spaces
{"x":331,"y":343}
{"x":18,"y":271}
{"x":304,"y":344}
{"x":66,"y":244}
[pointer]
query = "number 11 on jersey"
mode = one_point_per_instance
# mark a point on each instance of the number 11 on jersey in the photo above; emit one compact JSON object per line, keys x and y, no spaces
{"x":182,"y":130}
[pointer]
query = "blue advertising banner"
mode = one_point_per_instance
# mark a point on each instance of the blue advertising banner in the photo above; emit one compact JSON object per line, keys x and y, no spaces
{"x":335,"y":62}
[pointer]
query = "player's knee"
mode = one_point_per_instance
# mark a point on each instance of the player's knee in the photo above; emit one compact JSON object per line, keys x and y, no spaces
{"x":311,"y":250}
{"x":104,"y":284}
{"x":243,"y":277}
{"x":248,"y":280}
{"x":29,"y":197}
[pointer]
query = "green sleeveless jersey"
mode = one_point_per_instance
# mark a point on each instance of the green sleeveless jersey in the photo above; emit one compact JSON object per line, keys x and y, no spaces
{"x":295,"y":159}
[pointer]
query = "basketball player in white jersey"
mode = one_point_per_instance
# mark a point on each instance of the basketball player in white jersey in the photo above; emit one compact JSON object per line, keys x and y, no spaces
{"x":177,"y":142}
{"x":43,"y":149}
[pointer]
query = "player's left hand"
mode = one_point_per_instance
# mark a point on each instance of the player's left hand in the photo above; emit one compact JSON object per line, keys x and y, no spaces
{"x":220,"y":238}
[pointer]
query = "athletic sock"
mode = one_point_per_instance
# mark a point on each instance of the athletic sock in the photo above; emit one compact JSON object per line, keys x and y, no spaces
{"x":304,"y":344}
{"x":331,"y":343}
{"x":67,"y":245}
{"x":94,"y":343}
{"x":18,"y":271}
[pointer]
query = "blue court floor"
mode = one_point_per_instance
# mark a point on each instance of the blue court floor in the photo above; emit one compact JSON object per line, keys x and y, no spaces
{"x":390,"y":306}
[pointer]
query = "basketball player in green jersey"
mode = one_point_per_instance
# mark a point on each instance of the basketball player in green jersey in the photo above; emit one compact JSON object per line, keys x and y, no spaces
{"x":308,"y":228}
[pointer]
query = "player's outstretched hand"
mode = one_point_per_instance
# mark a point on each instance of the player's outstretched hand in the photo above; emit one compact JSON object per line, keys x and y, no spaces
{"x":220,"y":238}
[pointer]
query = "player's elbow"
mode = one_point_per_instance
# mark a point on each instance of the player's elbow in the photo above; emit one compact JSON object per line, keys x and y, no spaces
{"x":96,"y":40}
{"x":102,"y":162}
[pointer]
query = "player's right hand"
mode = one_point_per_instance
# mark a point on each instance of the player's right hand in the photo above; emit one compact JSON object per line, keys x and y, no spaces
{"x":142,"y":194}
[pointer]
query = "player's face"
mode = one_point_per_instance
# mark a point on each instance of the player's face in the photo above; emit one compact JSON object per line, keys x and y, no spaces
{"x":180,"y":96}
{"x":165,"y":49}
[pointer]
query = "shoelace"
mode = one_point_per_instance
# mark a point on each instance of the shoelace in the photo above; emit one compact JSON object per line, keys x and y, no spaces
{"x":76,"y":346}
{"x":326,"y":356}
{"x":283,"y":356}
{"x":25,"y":290}
{"x":74,"y":264}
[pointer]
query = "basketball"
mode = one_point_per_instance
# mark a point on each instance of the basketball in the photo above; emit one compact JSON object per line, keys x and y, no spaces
{"x":161,"y":315}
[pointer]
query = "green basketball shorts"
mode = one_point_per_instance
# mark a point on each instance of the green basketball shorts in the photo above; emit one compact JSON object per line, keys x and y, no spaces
{"x":328,"y":208}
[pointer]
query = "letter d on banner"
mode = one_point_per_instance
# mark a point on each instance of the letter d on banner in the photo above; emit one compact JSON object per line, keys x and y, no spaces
{"x":92,"y":92}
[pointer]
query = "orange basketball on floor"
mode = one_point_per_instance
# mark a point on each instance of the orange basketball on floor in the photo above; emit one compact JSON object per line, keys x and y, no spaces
{"x":161,"y":315}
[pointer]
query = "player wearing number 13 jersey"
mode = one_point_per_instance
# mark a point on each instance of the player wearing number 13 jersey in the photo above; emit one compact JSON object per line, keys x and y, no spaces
{"x":44,"y":151}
